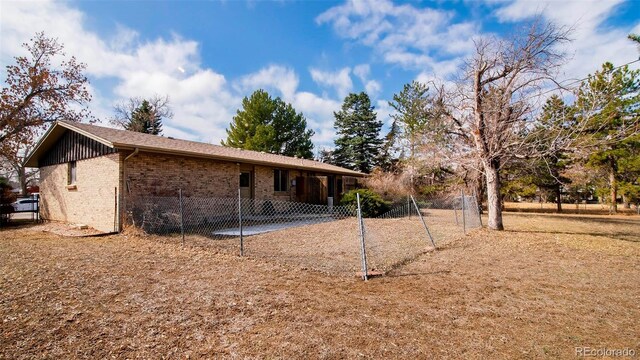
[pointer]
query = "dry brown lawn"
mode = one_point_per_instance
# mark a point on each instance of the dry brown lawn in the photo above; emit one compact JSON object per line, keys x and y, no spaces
{"x":550,"y":207}
{"x":543,"y":287}
{"x":334,"y":247}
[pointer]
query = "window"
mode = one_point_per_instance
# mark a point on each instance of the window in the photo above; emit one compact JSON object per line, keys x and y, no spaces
{"x":71,"y":176}
{"x":245,"y":179}
{"x":280,"y":180}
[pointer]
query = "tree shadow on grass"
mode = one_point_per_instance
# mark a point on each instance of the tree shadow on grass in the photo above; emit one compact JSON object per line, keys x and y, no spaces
{"x":622,"y":236}
{"x":633,"y":220}
{"x":397,"y":273}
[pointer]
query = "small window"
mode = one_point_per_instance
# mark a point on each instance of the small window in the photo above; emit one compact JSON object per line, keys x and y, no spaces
{"x":71,"y":178}
{"x":245,"y":179}
{"x":280,"y":180}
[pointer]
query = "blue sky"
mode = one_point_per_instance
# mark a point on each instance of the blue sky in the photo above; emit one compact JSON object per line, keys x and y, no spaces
{"x":208,"y":55}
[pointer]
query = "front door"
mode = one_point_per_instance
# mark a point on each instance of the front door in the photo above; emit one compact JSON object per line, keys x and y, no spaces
{"x":246,"y":179}
{"x":317,"y":190}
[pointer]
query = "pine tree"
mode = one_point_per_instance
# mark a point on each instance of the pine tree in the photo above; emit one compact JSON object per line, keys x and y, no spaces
{"x":415,"y":118}
{"x":358,"y":144}
{"x":388,"y":160}
{"x":546,"y":171}
{"x":144,"y":119}
{"x":270,"y":125}
{"x":608,"y":104}
{"x":412,"y":105}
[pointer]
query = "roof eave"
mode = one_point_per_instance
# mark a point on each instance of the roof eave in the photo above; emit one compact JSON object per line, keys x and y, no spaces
{"x":122,"y":146}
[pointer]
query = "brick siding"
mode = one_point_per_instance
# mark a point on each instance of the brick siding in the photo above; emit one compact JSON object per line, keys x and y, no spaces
{"x":92,"y":202}
{"x":143,"y":175}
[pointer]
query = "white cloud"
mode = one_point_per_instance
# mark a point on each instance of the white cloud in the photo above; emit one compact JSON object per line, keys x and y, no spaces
{"x":403,"y":34}
{"x":339,"y":80}
{"x":200,"y":98}
{"x":273,"y":77}
{"x":202,"y":102}
{"x":319,"y":113}
{"x":372,"y":87}
{"x":593,"y":42}
{"x":362,"y":71}
{"x":433,"y":42}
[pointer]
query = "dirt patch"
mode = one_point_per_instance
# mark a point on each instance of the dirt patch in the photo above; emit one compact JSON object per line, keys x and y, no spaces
{"x":62,"y":229}
{"x":533,"y":291}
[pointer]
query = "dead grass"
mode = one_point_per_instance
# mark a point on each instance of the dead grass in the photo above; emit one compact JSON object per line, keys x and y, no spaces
{"x":548,"y":208}
{"x":334,"y":248}
{"x":537,"y":290}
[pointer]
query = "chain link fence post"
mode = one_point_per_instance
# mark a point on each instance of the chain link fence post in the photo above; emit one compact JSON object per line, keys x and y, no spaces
{"x":362,"y":243}
{"x":464,"y":221}
{"x":423,"y":222}
{"x":240,"y":222}
{"x":181,"y":216}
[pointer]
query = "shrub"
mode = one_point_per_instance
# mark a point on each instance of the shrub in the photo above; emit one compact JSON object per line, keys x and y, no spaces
{"x":371,"y":203}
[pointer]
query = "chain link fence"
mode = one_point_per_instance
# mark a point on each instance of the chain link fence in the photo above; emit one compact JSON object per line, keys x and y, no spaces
{"x":330,"y":239}
{"x":413,"y":228}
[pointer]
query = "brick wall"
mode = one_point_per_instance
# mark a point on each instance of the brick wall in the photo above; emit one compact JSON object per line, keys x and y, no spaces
{"x":145,"y":174}
{"x":162,"y":175}
{"x":92,"y":200}
{"x":264,"y":185}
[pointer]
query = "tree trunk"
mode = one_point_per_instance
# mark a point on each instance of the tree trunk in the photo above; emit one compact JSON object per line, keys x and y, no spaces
{"x":558,"y":198}
{"x":22,"y":178}
{"x":494,"y":201}
{"x":479,"y":193}
{"x":625,"y":201}
{"x":614,"y":186}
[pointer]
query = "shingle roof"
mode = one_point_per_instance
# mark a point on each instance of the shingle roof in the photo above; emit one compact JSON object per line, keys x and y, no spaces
{"x":123,"y":139}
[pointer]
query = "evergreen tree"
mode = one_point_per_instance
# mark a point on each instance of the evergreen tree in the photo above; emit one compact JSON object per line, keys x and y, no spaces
{"x":388,"y":160}
{"x":417,"y":125}
{"x":145,"y":119}
{"x":412,"y":105}
{"x":546,"y":171}
{"x":270,"y":125}
{"x":608,"y":105}
{"x":358,"y":144}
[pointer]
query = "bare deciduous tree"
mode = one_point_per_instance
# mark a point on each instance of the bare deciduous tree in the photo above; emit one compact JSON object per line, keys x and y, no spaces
{"x":124,"y":111}
{"x":491,"y":106}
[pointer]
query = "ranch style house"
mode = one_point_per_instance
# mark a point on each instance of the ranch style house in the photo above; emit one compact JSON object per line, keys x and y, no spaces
{"x":90,"y":174}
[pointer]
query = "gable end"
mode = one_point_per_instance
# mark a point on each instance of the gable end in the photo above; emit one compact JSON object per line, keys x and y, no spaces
{"x":73,"y":146}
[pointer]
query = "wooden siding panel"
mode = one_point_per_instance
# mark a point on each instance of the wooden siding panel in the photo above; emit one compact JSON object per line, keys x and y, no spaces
{"x":73,"y":146}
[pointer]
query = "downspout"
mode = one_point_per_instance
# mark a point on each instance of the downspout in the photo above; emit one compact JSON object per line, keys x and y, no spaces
{"x":134,"y":153}
{"x":123,"y":191}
